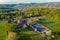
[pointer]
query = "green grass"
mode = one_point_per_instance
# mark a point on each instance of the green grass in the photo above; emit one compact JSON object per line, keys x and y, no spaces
{"x":2,"y":30}
{"x":4,"y":27}
{"x":24,"y":34}
{"x":53,"y":25}
{"x":50,"y":23}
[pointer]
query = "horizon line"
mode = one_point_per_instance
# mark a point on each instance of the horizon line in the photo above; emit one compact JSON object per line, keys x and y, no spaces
{"x":28,"y":3}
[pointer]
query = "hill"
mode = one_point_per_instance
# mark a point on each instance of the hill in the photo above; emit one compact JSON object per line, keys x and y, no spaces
{"x":43,"y":5}
{"x":29,"y":5}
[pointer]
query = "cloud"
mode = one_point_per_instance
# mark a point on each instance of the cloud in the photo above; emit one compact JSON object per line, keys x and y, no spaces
{"x":26,"y":1}
{"x":4,"y":1}
{"x":10,"y":1}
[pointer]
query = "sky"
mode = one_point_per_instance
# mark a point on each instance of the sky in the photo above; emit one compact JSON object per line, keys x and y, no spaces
{"x":26,"y":1}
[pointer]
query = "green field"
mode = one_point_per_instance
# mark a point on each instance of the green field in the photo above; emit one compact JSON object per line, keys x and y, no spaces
{"x":4,"y":27}
{"x":2,"y":30}
{"x":51,"y":20}
{"x":50,"y":23}
{"x":53,"y":25}
{"x":23,"y":34}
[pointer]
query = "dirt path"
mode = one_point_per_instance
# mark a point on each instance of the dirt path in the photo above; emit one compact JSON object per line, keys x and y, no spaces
{"x":11,"y":36}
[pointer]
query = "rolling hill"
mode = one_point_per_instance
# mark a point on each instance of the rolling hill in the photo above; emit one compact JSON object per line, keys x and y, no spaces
{"x":3,"y":7}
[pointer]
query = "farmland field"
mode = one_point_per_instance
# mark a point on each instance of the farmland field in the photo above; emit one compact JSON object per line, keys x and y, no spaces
{"x":52,"y":24}
{"x":46,"y":16}
{"x":3,"y":34}
{"x":30,"y":34}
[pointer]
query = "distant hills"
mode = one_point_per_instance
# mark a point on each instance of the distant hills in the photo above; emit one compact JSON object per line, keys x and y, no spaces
{"x":27,"y":5}
{"x":6,"y":7}
{"x":3,"y":6}
{"x":43,"y":5}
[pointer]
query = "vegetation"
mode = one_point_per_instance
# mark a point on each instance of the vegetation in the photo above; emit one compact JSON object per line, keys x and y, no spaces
{"x":3,"y":30}
{"x":29,"y":35}
{"x":51,"y":21}
{"x":29,"y":12}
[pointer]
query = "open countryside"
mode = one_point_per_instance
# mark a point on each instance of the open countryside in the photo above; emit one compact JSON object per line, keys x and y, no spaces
{"x":30,"y":22}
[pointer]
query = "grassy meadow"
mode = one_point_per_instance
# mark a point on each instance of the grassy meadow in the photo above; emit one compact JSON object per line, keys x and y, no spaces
{"x":3,"y":34}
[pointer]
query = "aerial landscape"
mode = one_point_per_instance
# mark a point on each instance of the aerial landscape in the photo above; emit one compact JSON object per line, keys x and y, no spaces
{"x":30,"y":20}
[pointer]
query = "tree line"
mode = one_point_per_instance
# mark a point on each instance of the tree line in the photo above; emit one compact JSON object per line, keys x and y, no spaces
{"x":30,"y":12}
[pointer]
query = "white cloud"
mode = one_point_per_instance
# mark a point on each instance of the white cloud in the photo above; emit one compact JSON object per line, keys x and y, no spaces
{"x":25,"y":1}
{"x":4,"y":1}
{"x":11,"y":1}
